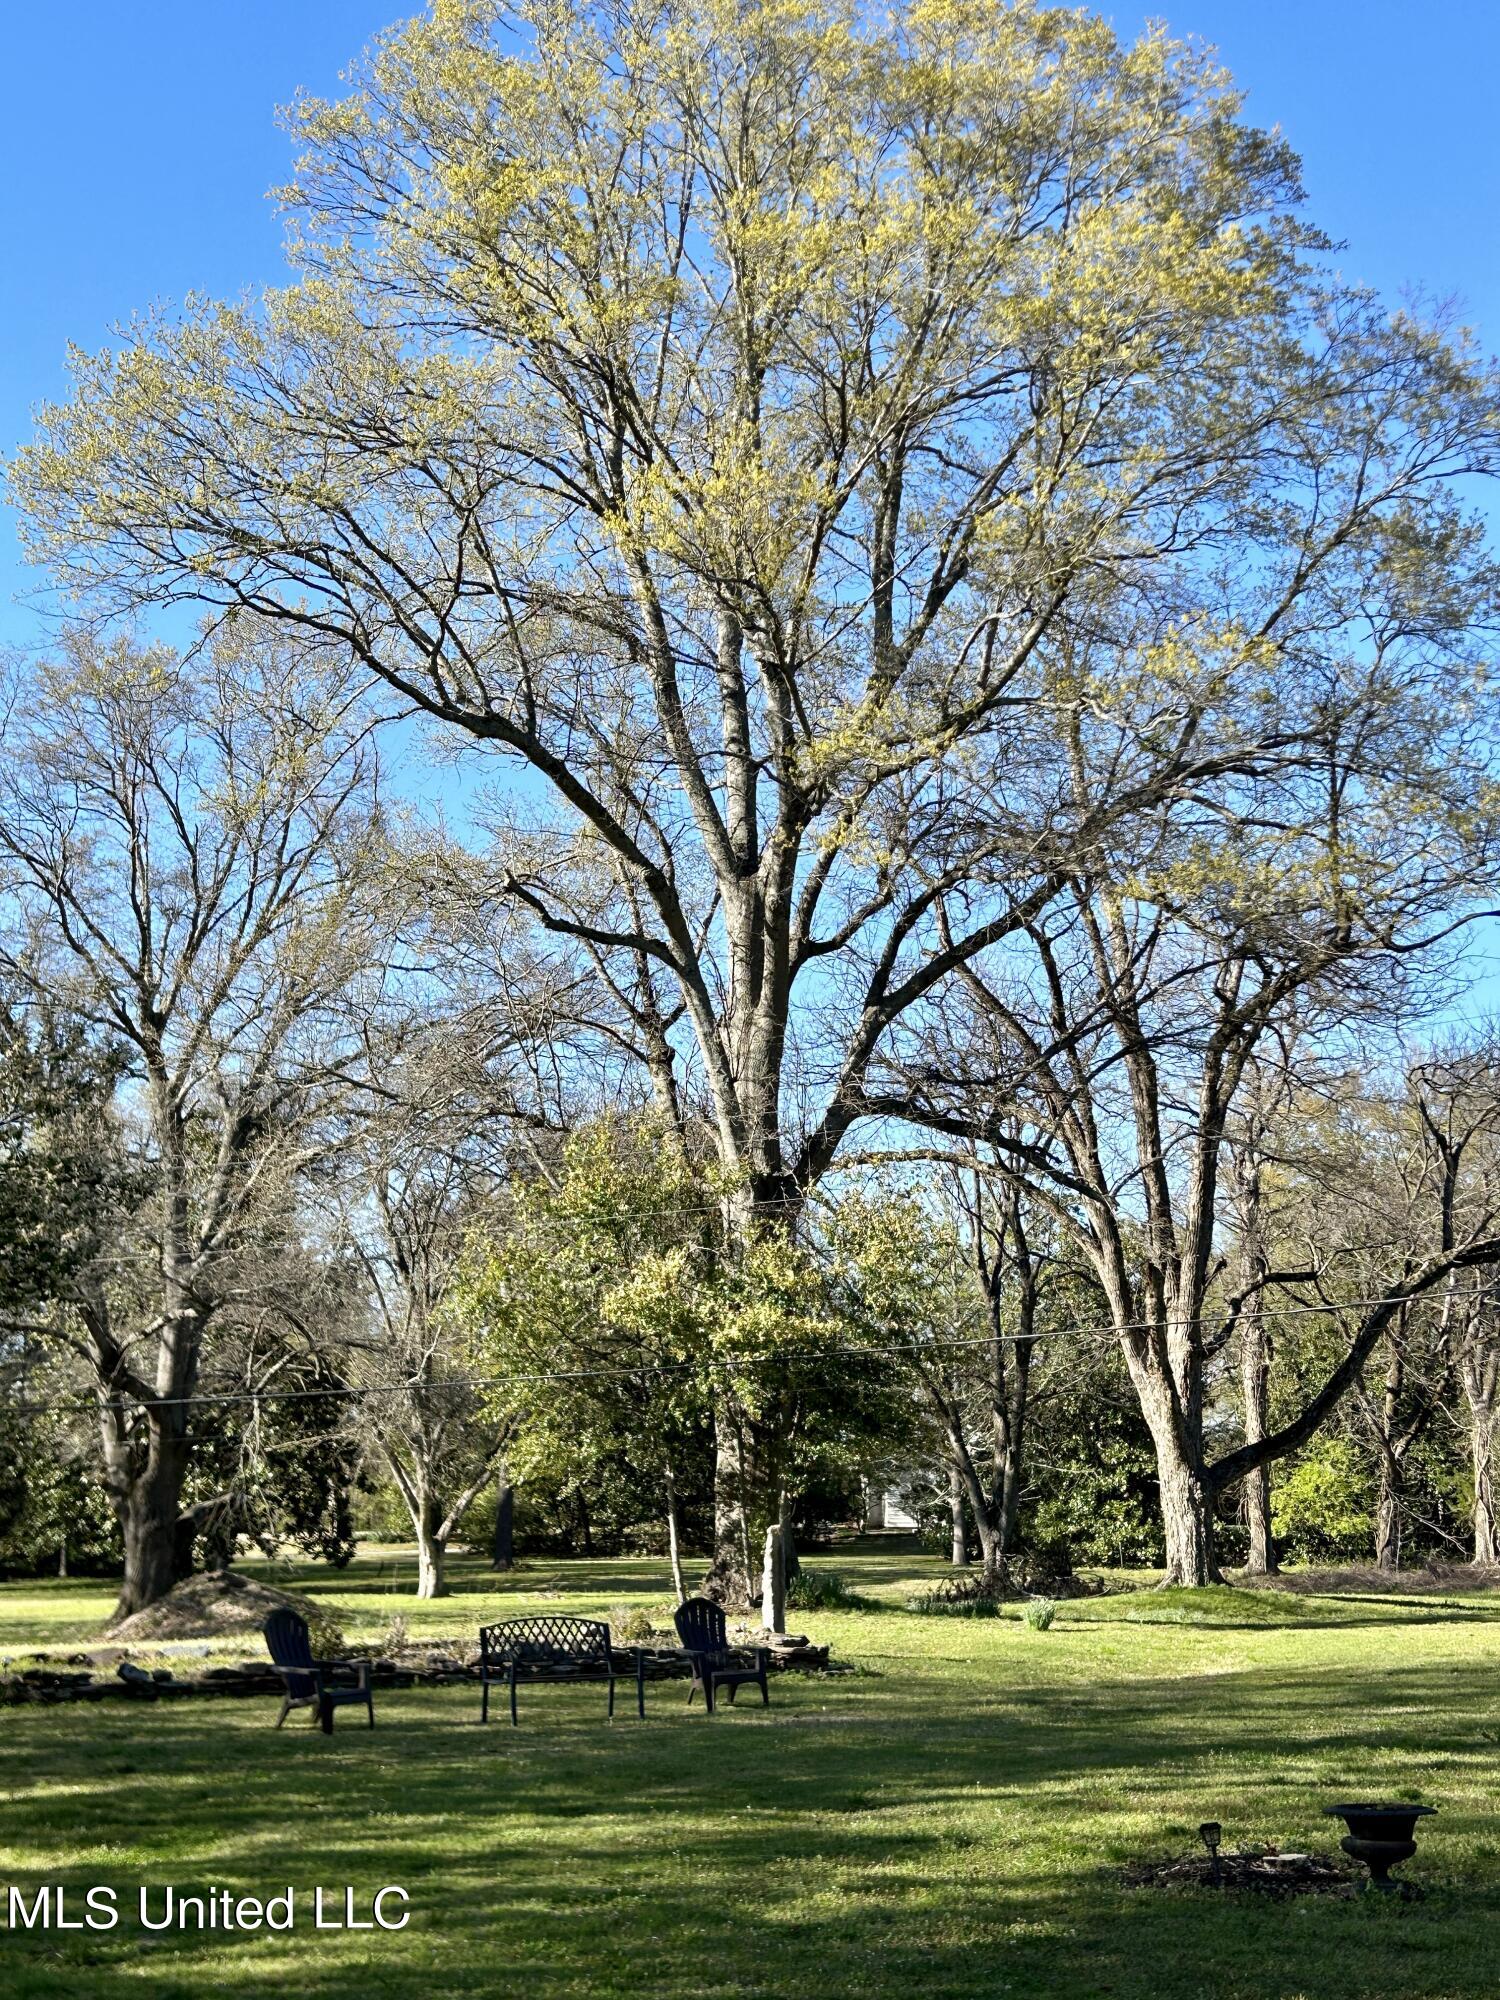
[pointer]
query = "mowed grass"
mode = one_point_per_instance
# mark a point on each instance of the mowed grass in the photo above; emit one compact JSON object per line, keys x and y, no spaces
{"x":950,"y":1821}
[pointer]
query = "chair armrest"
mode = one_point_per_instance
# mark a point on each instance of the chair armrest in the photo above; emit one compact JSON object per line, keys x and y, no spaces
{"x":359,"y":1668}
{"x":744,"y":1656}
{"x":314,"y":1673}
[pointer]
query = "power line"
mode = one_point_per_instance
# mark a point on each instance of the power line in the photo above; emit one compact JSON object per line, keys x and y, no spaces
{"x":1099,"y":1333}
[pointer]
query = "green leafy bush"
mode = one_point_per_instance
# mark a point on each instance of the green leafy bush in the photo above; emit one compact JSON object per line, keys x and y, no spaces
{"x":1321,"y":1507}
{"x":1038,"y":1613}
{"x":822,"y":1590}
{"x":326,"y":1634}
{"x":630,"y":1625}
{"x":943,"y":1604}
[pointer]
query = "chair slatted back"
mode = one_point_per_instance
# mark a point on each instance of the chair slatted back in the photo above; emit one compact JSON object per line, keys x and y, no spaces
{"x":289,"y":1646}
{"x":701,"y":1626}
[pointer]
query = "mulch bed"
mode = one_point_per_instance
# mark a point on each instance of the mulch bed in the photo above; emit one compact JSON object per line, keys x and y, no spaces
{"x":1260,"y":1870}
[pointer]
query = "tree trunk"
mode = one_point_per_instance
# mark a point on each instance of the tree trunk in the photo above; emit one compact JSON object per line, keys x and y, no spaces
{"x":1255,"y":1375}
{"x":960,"y":1544}
{"x":729,"y":1577}
{"x":1388,"y":1513}
{"x":1173,"y":1412}
{"x":1187,"y":1523}
{"x":985,"y":1516}
{"x":791,"y":1562}
{"x":503,"y":1548}
{"x":674,"y":1541}
{"x":1255,"y":1346}
{"x":1013,"y":1456}
{"x":1482,"y":1448}
{"x":431,"y":1549}
{"x":149,"y":1505}
{"x":1011,"y":1385}
{"x":991,"y":1555}
{"x":1387,"y":1504}
{"x":1479,"y":1372}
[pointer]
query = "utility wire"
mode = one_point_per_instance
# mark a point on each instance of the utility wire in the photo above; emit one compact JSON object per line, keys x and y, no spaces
{"x":1098,"y":1333}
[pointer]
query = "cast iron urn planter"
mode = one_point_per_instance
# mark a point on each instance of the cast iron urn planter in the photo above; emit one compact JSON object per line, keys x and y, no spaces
{"x":1380,"y":1836}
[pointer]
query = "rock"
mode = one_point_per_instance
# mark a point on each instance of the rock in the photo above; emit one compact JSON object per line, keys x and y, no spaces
{"x":209,"y":1606}
{"x":134,"y":1676}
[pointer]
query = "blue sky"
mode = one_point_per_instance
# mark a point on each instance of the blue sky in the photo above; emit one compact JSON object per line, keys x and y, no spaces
{"x":137,"y":144}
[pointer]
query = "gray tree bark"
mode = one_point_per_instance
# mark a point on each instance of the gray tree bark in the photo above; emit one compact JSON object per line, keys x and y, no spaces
{"x":959,"y":1548}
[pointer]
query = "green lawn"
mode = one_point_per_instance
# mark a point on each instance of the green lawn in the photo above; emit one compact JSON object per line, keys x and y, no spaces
{"x":950,"y":1821}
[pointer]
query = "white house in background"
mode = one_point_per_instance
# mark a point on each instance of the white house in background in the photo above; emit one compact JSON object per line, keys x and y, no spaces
{"x":886,"y":1505}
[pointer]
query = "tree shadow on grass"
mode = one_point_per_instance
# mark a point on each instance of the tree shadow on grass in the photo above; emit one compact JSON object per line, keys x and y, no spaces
{"x":860,"y":1838}
{"x":1311,"y":1615}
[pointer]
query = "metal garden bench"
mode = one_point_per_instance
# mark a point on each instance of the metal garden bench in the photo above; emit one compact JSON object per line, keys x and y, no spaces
{"x":309,"y":1683}
{"x":716,"y":1664}
{"x":550,"y":1649}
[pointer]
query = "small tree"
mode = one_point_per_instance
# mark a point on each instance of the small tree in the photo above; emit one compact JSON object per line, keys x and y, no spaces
{"x":629,"y":1324}
{"x":962,"y":1286}
{"x":537,"y":1298}
{"x":423,"y":1152}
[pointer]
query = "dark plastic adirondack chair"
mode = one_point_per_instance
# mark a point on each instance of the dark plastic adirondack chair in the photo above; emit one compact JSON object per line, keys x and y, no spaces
{"x":716,"y":1664}
{"x":309,"y":1682}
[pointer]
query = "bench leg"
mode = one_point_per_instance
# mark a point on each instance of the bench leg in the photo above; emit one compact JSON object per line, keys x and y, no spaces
{"x":640,"y":1687}
{"x":611,"y":1697}
{"x":326,"y":1706}
{"x":514,"y":1719}
{"x":484,"y":1700}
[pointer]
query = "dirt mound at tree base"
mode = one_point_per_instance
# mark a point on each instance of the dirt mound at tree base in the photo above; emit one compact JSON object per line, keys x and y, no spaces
{"x":213,"y":1605}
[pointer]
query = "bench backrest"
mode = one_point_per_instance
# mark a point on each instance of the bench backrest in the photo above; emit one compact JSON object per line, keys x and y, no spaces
{"x":701,"y":1625}
{"x":289,"y":1645}
{"x":546,"y":1641}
